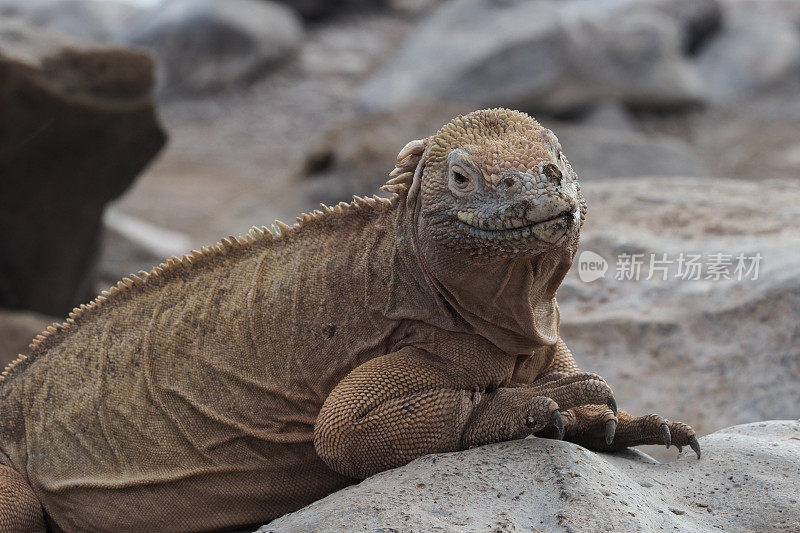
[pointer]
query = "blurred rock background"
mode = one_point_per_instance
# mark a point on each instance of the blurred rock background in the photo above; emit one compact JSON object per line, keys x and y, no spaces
{"x":682,"y":118}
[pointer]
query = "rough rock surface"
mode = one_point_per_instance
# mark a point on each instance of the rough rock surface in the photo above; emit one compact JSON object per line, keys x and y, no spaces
{"x":89,"y":19}
{"x":747,"y":480}
{"x":205,"y":45}
{"x":566,"y":55}
{"x":78,"y":124}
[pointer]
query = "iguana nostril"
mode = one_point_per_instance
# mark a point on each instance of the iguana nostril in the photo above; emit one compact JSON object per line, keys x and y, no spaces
{"x":508,"y":182}
{"x":552,"y":172}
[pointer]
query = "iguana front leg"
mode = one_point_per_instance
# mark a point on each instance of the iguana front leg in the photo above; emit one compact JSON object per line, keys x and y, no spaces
{"x":598,"y":427}
{"x":401,"y":406}
{"x":19,"y":508}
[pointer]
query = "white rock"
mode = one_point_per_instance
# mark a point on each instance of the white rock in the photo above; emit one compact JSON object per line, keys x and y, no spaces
{"x":747,"y":480}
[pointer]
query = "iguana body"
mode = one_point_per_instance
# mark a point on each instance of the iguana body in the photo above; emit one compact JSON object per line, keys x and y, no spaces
{"x":245,"y":381}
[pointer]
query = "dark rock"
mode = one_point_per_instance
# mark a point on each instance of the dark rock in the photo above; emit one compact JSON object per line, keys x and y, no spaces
{"x":320,"y":9}
{"x":78,"y":124}
{"x":207,"y":45}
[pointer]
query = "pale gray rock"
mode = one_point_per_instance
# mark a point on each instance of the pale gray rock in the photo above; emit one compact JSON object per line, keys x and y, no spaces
{"x":565,"y":55}
{"x":789,"y":9}
{"x":754,"y":51}
{"x":602,"y":152}
{"x":88,"y":19}
{"x":206,"y":45}
{"x":747,"y":480}
{"x":698,"y":19}
{"x":612,"y":116}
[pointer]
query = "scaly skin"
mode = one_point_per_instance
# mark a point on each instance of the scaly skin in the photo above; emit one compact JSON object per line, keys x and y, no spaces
{"x":244,"y":381}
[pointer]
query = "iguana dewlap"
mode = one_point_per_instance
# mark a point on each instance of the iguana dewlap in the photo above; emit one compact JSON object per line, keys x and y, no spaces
{"x":246,"y":380}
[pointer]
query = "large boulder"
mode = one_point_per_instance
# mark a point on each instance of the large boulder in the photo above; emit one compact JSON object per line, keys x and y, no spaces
{"x":790,"y":9}
{"x":98,"y":20}
{"x":596,"y":152}
{"x":747,"y":480}
{"x":754,"y":51}
{"x":78,"y":125}
{"x":699,"y":20}
{"x":207,"y":45}
{"x":712,"y":347}
{"x":566,"y":55}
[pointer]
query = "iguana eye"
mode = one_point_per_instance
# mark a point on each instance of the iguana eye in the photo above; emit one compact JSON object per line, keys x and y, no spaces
{"x":462,"y":177}
{"x":460,"y":181}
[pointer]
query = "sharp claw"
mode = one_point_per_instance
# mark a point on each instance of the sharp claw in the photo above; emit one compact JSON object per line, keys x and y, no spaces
{"x":558,"y":422}
{"x":665,"y":435}
{"x":611,"y":428}
{"x":695,"y":445}
{"x":612,"y":404}
{"x":680,"y":448}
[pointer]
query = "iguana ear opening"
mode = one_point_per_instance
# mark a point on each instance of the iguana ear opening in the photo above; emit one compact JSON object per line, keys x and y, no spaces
{"x":408,"y":161}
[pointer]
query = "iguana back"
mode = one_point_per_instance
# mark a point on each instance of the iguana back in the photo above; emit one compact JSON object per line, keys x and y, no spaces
{"x":182,"y":382}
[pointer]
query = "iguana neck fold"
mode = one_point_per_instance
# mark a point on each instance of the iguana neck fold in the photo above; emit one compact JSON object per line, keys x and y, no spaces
{"x":508,"y":301}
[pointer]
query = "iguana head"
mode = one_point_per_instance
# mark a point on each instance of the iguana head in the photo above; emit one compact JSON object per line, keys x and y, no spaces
{"x":494,"y":183}
{"x":494,"y":211}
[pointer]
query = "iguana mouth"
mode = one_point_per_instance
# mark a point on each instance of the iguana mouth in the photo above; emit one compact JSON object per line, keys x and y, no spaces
{"x":509,"y":226}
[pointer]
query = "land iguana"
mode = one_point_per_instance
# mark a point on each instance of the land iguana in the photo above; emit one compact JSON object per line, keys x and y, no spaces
{"x":248,"y":379}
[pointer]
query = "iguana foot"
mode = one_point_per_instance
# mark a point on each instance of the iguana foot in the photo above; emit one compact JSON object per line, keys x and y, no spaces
{"x":573,"y":390}
{"x":517,"y":412}
{"x":596,"y":427}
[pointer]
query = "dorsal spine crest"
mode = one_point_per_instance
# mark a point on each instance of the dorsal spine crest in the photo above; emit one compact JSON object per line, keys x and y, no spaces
{"x":256,"y":236}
